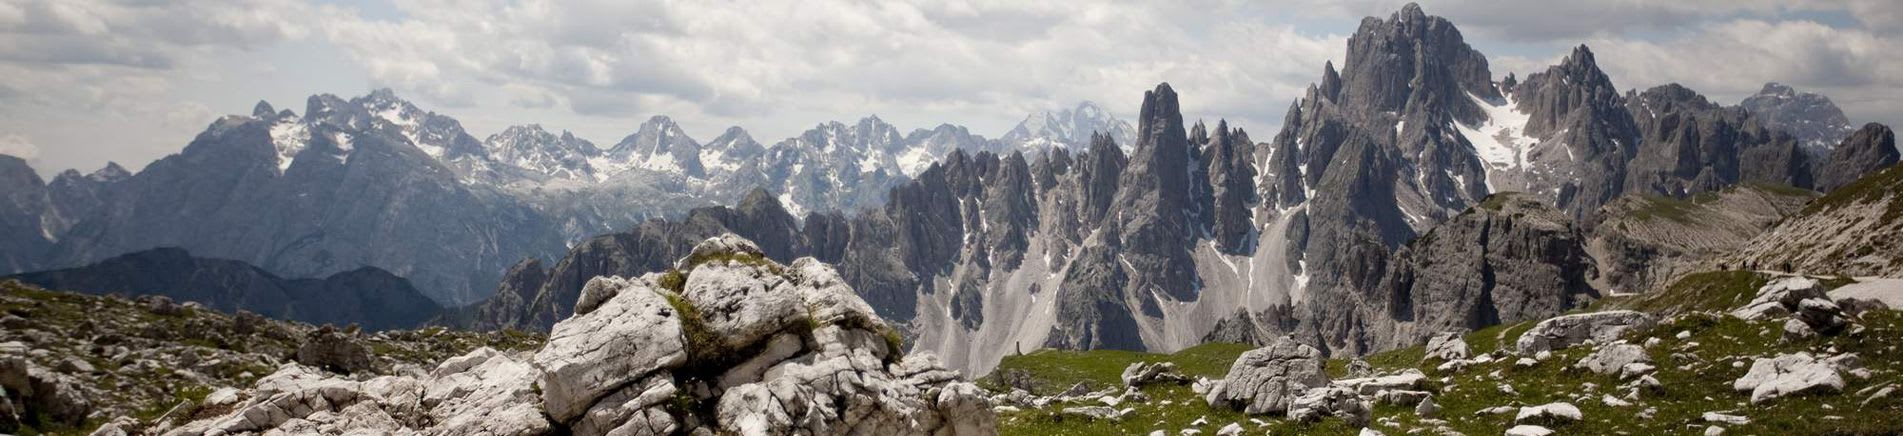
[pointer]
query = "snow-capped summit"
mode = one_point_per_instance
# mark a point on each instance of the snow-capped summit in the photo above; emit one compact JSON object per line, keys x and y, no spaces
{"x":923,"y":147}
{"x":439,"y":136}
{"x":1069,"y":129}
{"x":730,"y":151}
{"x":660,"y":146}
{"x":534,"y":149}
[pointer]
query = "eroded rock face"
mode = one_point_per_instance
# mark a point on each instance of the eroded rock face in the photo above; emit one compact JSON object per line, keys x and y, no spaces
{"x":1268,"y":379}
{"x":1565,"y":331}
{"x":730,"y":343}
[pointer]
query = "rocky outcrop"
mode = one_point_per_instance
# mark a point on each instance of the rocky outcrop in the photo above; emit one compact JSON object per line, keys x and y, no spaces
{"x":1804,"y":300}
{"x":1508,"y":260}
{"x":335,"y":351}
{"x":123,"y":357}
{"x":727,"y":341}
{"x":1794,"y":374}
{"x":369,"y":297}
{"x":1145,"y":373}
{"x":1268,"y":380}
{"x":1565,"y":331}
{"x":35,"y":393}
{"x":1446,"y":346}
{"x":483,"y":392}
{"x":1866,"y":151}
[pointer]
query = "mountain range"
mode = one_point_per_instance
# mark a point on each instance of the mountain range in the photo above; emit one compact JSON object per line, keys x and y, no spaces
{"x":376,"y":181}
{"x":1407,"y":193}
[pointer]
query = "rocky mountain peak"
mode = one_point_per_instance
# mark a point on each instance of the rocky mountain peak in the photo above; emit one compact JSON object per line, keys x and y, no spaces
{"x":1413,"y":59}
{"x":1550,"y":97}
{"x":659,"y":145}
{"x":263,"y":110}
{"x":532,"y":148}
{"x":1331,"y":81}
{"x":1069,"y":129}
{"x":112,"y":172}
{"x":1812,"y":118}
{"x":1867,"y":151}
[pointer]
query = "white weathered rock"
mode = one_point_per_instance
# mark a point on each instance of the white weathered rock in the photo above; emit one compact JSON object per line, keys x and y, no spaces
{"x":1336,"y":401}
{"x":1267,"y":379}
{"x":1789,"y":374}
{"x":1720,"y":418}
{"x":778,"y":349}
{"x":1408,"y":379}
{"x":1446,"y":346}
{"x":1778,"y":297}
{"x":1427,"y":408}
{"x":1568,"y":330}
{"x":1093,"y":412}
{"x":1233,"y":429}
{"x":742,"y":303}
{"x":591,"y":355}
{"x":1401,"y":397}
{"x":1613,"y":358}
{"x":1145,"y":373}
{"x":822,"y":367}
{"x":1550,"y":412}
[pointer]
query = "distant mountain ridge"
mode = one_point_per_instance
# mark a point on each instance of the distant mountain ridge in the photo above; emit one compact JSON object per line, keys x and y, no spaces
{"x":367,"y":296}
{"x":376,"y":180}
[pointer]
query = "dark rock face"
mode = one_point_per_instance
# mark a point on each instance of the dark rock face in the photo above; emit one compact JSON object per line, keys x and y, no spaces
{"x":1575,"y":106}
{"x":78,"y":197}
{"x":1511,"y":259}
{"x":1229,"y":161}
{"x":24,"y":210}
{"x":1156,"y":202}
{"x":1689,"y":145}
{"x":335,"y":351}
{"x":1811,"y":118}
{"x":1869,"y":150}
{"x":371,"y":297}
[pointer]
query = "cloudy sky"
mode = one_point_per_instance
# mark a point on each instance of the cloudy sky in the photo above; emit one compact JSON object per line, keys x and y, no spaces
{"x":87,"y":81}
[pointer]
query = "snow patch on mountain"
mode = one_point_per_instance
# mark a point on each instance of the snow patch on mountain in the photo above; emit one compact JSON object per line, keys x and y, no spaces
{"x":1501,"y":142}
{"x":289,"y":136}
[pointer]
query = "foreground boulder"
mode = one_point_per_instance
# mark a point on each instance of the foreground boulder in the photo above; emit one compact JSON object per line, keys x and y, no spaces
{"x":1794,"y":374}
{"x":27,"y":387}
{"x":1146,"y":373}
{"x":1566,"y":331}
{"x":1268,"y":379}
{"x":1804,"y":300}
{"x":728,"y":343}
